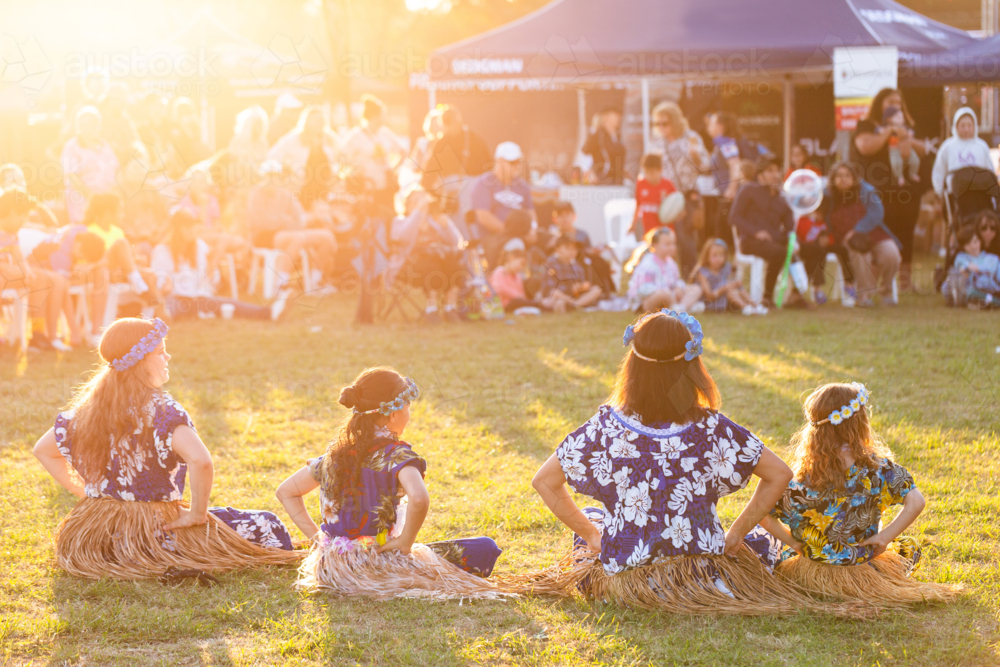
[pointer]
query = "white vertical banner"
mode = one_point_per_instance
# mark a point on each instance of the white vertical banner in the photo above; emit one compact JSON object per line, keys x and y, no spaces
{"x":859,"y":72}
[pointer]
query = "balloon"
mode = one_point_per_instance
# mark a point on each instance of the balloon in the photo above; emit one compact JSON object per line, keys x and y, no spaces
{"x":803,"y":190}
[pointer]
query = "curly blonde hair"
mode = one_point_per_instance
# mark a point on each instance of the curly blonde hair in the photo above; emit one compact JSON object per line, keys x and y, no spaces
{"x":816,"y":450}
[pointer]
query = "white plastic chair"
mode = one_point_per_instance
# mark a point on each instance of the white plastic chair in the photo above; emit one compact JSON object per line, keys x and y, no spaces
{"x":837,"y":291}
{"x":115,"y":290}
{"x":16,"y":313}
{"x":618,"y":214}
{"x":81,"y":311}
{"x":756,"y":265}
{"x":265,"y":265}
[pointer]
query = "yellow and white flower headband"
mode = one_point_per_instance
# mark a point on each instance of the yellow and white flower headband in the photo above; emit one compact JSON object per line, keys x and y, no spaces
{"x":849,"y":410}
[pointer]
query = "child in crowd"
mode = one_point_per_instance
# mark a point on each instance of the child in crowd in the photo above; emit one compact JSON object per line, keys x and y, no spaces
{"x":650,"y":190}
{"x":566,"y":285}
{"x":506,"y":281}
{"x":977,"y":271}
{"x":844,"y":480}
{"x":564,"y":222}
{"x":46,"y":289}
{"x":893,"y":117}
{"x":373,"y":503}
{"x":720,"y":290}
{"x":815,"y":242}
{"x":656,"y":281}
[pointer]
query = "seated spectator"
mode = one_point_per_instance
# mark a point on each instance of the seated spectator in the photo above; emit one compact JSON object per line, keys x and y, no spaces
{"x":307,"y":153}
{"x":506,"y":281}
{"x":978,"y":271}
{"x":962,"y":149}
{"x":182,"y":274}
{"x":763,"y":221}
{"x":719,"y":289}
{"x":650,"y":191}
{"x":518,"y":225}
{"x":800,"y":158}
{"x":89,"y":164}
{"x":46,"y":289}
{"x":496,"y":194}
{"x":564,"y":222}
{"x":565,"y":286}
{"x":73,"y":253}
{"x":201,"y":203}
{"x":855,"y":217}
{"x":986,"y":223}
{"x":373,"y":151}
{"x":276,"y":220}
{"x":656,"y":281}
{"x":815,"y":242}
{"x":434,"y":253}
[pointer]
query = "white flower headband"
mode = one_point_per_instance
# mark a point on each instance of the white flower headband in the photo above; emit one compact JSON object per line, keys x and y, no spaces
{"x":849,"y":410}
{"x":386,"y":408}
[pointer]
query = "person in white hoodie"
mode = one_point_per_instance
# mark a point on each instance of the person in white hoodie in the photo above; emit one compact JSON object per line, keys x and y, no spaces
{"x":962,"y":149}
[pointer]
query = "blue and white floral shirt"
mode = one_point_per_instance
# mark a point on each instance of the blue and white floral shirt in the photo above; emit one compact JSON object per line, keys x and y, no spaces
{"x":659,"y":485}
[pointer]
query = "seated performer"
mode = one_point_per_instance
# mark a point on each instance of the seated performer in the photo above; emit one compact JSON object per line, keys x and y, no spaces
{"x":659,"y":456}
{"x":131,"y":445}
{"x":844,"y":480}
{"x":373,"y":502}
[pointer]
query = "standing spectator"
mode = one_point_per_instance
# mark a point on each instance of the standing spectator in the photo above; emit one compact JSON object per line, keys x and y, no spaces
{"x":605,"y":147}
{"x":656,"y":282}
{"x":287,"y":113}
{"x":855,"y":217}
{"x":412,"y":169}
{"x":153,"y":124}
{"x":763,"y":222}
{"x":458,"y":151}
{"x":89,"y":164}
{"x":497,"y":193}
{"x":373,"y":151}
{"x":870,"y":149}
{"x":249,"y":145}
{"x":962,"y":149}
{"x":684,"y":158}
{"x":650,"y":191}
{"x":726,"y":154}
{"x":307,"y":153}
{"x":185,"y":132}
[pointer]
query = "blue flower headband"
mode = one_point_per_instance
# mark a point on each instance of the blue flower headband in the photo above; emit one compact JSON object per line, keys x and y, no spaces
{"x":147,"y":344}
{"x":849,"y":410}
{"x":388,"y":407}
{"x":693,"y":348}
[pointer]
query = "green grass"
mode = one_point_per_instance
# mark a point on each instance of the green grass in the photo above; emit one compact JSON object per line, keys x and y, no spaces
{"x":497,"y":399}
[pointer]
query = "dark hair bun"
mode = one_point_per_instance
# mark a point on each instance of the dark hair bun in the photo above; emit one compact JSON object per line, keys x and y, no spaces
{"x":349,"y":397}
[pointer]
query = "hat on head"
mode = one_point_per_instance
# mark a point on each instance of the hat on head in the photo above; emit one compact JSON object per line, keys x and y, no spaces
{"x":671,"y":208}
{"x":509,"y":151}
{"x":514,"y":244}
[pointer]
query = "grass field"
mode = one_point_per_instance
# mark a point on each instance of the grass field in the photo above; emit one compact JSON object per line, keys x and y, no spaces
{"x":497,"y":399}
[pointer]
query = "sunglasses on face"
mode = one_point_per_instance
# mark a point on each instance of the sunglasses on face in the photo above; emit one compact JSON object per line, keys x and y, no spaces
{"x":987,"y":228}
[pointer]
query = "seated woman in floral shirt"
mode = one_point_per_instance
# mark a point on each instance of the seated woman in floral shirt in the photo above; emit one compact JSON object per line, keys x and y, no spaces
{"x":659,"y":456}
{"x":844,"y":480}
{"x":373,"y":502}
{"x":132,"y":445}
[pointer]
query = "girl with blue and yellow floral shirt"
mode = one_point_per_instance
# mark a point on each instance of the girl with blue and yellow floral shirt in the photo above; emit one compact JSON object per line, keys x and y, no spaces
{"x":831,"y":512}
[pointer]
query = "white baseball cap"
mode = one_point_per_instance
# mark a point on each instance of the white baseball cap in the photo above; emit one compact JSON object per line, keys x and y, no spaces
{"x":509,"y":151}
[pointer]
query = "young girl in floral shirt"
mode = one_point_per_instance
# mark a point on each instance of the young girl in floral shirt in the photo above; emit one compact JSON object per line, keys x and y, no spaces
{"x":373,"y":502}
{"x":844,"y":480}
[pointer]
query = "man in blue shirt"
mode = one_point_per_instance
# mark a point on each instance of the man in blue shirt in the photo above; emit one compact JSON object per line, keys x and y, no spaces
{"x":497,"y":193}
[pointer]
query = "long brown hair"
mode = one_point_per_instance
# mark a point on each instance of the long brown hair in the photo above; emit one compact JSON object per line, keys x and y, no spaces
{"x":816,"y":450}
{"x":703,"y":256}
{"x":356,"y":440}
{"x":879,"y":103}
{"x":109,"y":406}
{"x":102,"y":205}
{"x":677,"y":392}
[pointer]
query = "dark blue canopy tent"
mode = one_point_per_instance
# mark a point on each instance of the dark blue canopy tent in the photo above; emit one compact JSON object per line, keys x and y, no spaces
{"x":594,"y":41}
{"x":971,"y":63}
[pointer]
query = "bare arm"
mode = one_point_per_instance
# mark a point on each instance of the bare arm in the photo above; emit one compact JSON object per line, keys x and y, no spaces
{"x":489,"y":221}
{"x":47,"y":452}
{"x":290,"y":493}
{"x":416,"y":510}
{"x":550,"y":483}
{"x":774,"y":476}
{"x":192,"y":450}
{"x":869,"y":143}
{"x":913,"y":505}
{"x":780,"y":530}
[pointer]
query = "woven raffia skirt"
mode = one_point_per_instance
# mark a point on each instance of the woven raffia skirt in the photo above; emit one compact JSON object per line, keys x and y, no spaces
{"x":125,"y":540}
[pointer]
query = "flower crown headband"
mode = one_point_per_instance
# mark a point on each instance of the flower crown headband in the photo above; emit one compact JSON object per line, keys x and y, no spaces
{"x":849,"y":410}
{"x":411,"y":393}
{"x":693,"y":348}
{"x":146,"y":344}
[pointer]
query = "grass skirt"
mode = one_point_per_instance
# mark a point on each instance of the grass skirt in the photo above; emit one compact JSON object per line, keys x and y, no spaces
{"x":363,"y":572}
{"x":125,"y":540}
{"x":683,"y":585}
{"x":883,"y":582}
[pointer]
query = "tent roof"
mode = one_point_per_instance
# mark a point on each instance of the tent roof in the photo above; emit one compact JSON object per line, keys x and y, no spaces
{"x":597,"y":40}
{"x":979,"y":61}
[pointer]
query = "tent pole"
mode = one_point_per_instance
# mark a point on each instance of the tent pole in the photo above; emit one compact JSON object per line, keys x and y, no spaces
{"x":645,"y":115}
{"x":431,"y":97}
{"x":788,"y":97}
{"x":581,"y":119}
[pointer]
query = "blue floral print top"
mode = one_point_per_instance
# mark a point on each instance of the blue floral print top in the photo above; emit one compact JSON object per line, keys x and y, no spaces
{"x":660,"y":485}
{"x":143,"y":466}
{"x":831,"y":523}
{"x":371,"y":509}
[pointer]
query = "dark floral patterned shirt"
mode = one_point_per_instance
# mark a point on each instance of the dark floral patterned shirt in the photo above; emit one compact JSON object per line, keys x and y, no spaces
{"x":831,"y":523}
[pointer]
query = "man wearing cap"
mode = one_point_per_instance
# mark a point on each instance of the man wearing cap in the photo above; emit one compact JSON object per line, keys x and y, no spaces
{"x":763,"y":220}
{"x":499,"y":192}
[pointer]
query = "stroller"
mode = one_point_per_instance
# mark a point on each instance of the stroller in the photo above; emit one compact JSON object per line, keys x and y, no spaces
{"x":968,"y":191}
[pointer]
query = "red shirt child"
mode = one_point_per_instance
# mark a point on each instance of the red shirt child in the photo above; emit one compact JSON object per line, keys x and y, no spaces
{"x":650,"y":190}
